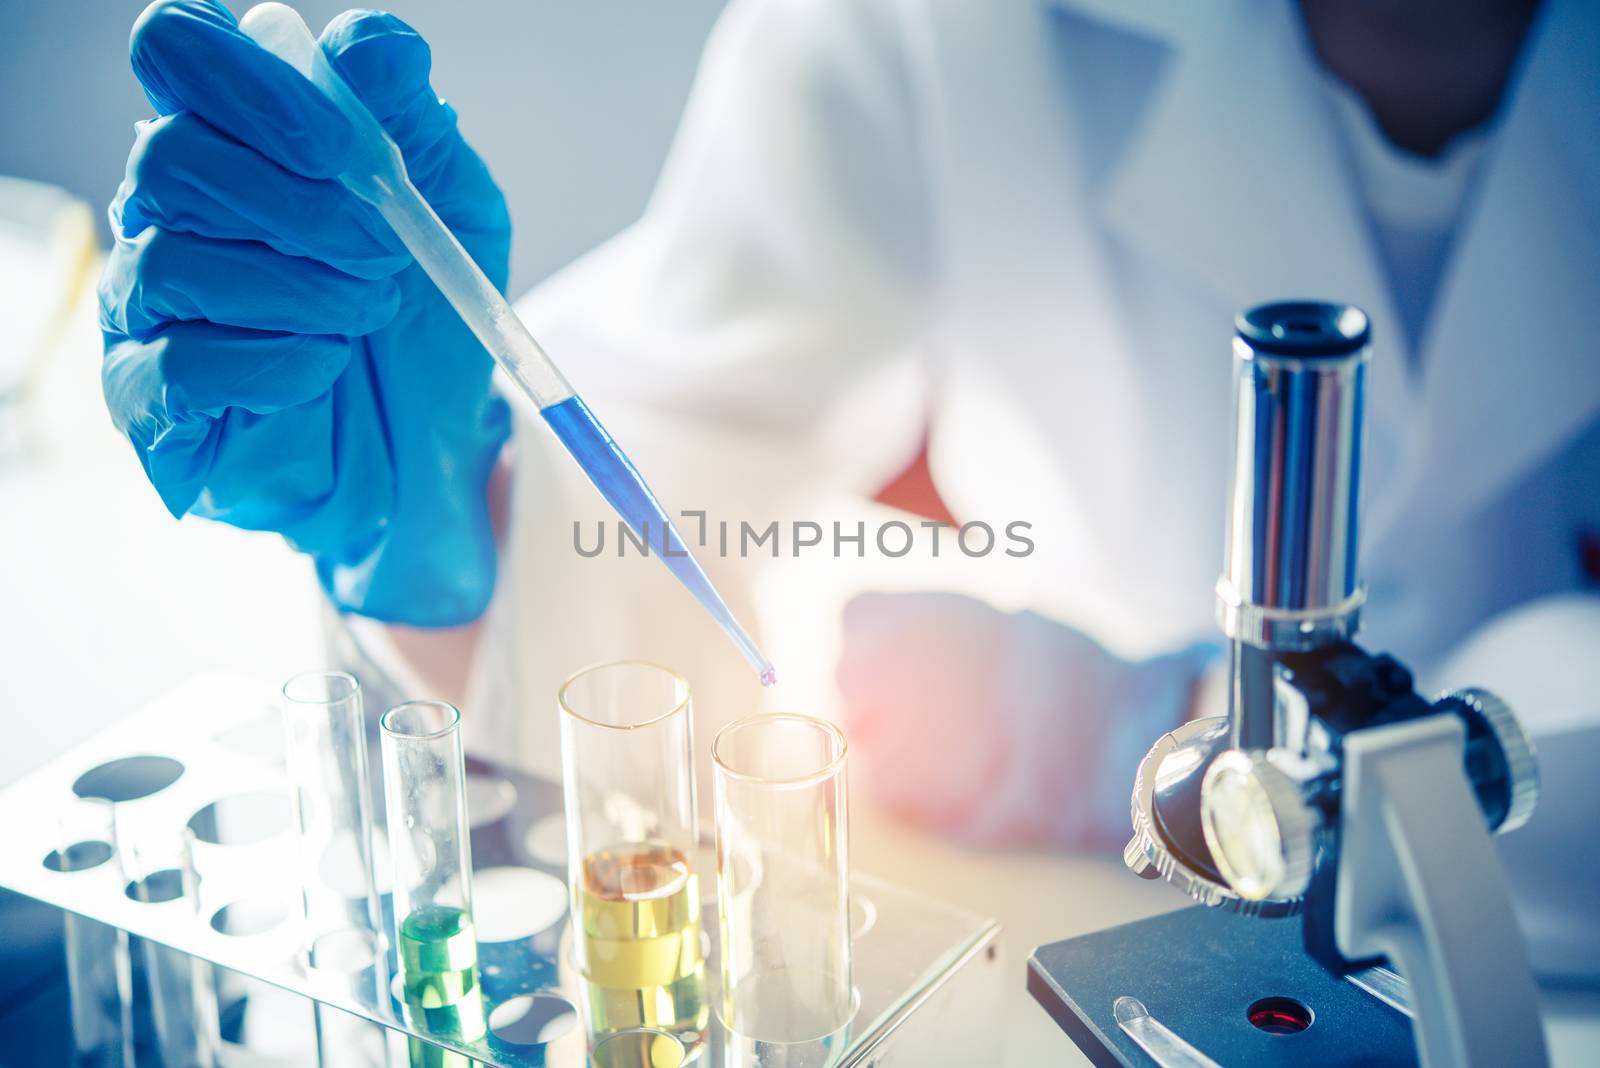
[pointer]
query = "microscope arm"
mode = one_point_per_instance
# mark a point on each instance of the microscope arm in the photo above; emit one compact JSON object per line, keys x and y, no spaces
{"x":1419,"y":882}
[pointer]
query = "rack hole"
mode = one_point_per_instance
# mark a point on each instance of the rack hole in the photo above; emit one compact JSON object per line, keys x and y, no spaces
{"x":547,"y":841}
{"x":639,"y":1048}
{"x":249,"y":917}
{"x":79,"y":856}
{"x":863,"y":915}
{"x":129,"y":778}
{"x":242,"y":819}
{"x":490,"y":799}
{"x":510,"y":904}
{"x":344,"y":951}
{"x":158,"y":887}
{"x":260,"y":739}
{"x":1279,"y":1016}
{"x":532,"y":1020}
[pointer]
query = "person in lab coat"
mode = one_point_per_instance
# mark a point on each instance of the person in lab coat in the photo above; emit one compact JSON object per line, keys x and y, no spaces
{"x":1024,"y":224}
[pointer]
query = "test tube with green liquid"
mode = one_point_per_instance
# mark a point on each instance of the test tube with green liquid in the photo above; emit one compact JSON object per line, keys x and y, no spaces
{"x":435,"y":941}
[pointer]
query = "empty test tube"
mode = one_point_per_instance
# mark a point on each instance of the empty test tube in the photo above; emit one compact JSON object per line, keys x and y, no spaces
{"x":783,"y":882}
{"x":342,"y":935}
{"x":99,"y":972}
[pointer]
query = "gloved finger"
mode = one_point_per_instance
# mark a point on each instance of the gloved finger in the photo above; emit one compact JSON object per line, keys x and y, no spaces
{"x":880,"y":627}
{"x":319,"y":473}
{"x":388,"y":64}
{"x":184,"y":174}
{"x":882,"y":645}
{"x":919,"y":681}
{"x":190,"y":55}
{"x":163,"y":276}
{"x":186,"y":371}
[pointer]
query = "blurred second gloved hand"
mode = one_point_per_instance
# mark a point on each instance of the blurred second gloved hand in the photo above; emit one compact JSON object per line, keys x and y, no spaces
{"x":1003,"y":729}
{"x":275,"y":356}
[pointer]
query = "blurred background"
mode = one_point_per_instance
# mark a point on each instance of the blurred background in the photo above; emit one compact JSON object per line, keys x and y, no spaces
{"x":573,"y":104}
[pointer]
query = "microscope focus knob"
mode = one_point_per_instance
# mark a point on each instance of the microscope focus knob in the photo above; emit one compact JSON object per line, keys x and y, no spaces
{"x":1521,"y":765}
{"x":1261,"y":832}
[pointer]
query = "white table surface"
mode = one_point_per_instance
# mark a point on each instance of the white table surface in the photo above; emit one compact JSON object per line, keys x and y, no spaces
{"x":107,"y":602}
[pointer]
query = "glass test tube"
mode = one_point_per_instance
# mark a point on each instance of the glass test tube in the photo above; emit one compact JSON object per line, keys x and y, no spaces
{"x":783,"y":878}
{"x":437,"y":946}
{"x":628,"y":778}
{"x":331,"y":792}
{"x":99,"y":972}
{"x":160,"y":872}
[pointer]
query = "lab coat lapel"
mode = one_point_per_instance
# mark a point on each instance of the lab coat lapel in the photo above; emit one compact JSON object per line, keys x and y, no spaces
{"x":1513,"y":361}
{"x":1235,"y":179}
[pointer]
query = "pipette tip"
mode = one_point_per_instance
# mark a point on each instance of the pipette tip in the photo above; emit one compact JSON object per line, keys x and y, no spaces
{"x":769,"y":677}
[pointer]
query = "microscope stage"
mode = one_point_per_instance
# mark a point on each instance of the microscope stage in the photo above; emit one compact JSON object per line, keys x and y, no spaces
{"x":1204,"y":973}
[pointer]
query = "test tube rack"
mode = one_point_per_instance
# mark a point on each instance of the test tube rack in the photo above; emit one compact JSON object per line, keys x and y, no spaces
{"x":217,"y":738}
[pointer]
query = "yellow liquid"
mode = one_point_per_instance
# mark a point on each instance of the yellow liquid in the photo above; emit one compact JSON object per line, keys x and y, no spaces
{"x":639,"y":940}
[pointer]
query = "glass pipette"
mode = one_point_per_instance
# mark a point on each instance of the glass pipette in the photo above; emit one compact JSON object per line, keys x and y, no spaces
{"x":379,"y":177}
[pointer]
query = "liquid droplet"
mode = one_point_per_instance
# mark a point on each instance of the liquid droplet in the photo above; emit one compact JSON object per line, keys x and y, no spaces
{"x":769,"y":677}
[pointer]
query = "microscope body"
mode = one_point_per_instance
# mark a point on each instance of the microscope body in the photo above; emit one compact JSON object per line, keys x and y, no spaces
{"x":1333,"y":795}
{"x":1382,"y":805}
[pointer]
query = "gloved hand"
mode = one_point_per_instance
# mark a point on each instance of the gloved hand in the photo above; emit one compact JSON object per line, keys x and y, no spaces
{"x":275,"y":356}
{"x":1003,"y":729}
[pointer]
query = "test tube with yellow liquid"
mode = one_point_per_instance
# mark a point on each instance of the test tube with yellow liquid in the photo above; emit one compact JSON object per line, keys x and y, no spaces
{"x":626,"y":747}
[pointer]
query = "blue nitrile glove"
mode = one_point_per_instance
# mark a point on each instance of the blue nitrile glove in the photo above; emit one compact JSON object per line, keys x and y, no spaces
{"x":1003,"y":729}
{"x":272,"y":351}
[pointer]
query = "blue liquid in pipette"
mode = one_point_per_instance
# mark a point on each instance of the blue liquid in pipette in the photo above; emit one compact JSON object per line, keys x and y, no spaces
{"x":619,"y":482}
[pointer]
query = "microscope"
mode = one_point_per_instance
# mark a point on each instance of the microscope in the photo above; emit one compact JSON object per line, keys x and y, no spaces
{"x":1335,"y":826}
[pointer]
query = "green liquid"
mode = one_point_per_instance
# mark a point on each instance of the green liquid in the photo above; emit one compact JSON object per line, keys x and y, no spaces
{"x":439,"y":971}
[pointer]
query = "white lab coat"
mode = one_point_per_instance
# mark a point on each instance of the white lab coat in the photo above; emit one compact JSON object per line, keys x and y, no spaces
{"x":1028,"y":224}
